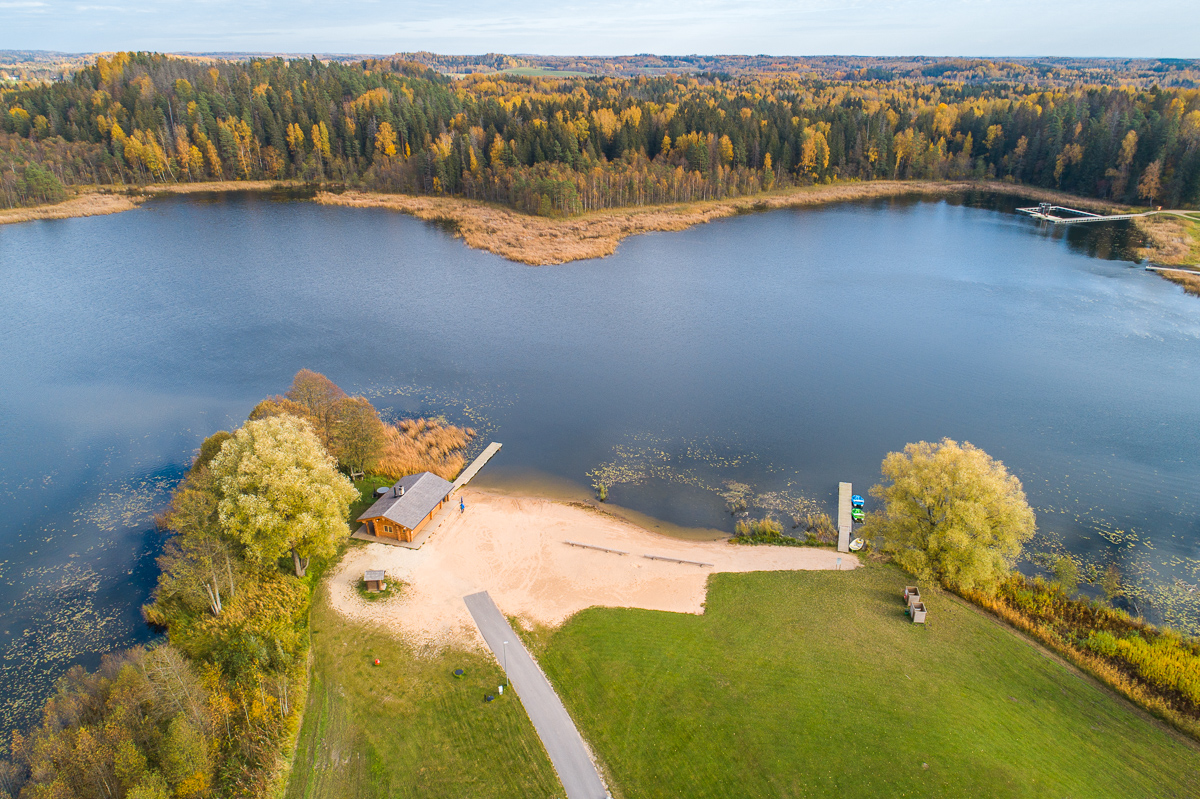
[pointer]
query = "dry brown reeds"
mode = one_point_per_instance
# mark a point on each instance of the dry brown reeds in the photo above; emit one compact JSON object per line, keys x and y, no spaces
{"x":423,"y":445}
{"x":541,"y":241}
{"x":1170,"y":240}
{"x":219,"y":185}
{"x":88,"y":203}
{"x":1189,"y":281}
{"x":820,"y":527}
{"x":112,"y":199}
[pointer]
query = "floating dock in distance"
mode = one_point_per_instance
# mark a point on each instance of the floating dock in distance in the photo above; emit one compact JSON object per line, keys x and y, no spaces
{"x":845,"y":523}
{"x":475,"y":466}
{"x":1045,"y":212}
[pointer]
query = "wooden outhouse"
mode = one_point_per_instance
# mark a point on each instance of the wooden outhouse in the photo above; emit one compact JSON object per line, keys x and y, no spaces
{"x":375,"y":580}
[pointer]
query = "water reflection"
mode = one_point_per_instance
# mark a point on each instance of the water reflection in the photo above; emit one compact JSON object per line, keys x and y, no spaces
{"x":785,"y":351}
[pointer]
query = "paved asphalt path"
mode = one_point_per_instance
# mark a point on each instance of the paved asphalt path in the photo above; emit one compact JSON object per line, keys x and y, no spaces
{"x":554,"y":726}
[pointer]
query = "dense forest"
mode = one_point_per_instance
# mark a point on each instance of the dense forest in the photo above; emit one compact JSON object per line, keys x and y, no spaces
{"x":565,"y":145}
{"x":1032,"y":72}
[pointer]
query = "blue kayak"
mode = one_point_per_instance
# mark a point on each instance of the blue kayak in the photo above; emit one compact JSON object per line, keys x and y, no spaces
{"x":856,"y":501}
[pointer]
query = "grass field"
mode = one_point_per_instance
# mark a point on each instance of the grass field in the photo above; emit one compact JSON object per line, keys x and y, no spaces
{"x":814,"y":684}
{"x":408,"y":727}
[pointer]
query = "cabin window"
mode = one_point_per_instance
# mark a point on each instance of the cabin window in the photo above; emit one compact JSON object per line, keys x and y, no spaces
{"x":387,"y":528}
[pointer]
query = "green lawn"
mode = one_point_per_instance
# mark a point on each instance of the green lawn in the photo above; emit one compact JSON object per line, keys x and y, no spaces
{"x":814,"y":684}
{"x":409,"y":728}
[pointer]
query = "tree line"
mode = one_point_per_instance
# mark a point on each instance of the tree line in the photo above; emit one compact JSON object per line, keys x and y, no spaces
{"x":562,"y":146}
{"x":210,"y":711}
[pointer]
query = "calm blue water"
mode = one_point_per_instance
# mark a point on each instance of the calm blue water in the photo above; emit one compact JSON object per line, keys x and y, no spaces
{"x":787,"y":351}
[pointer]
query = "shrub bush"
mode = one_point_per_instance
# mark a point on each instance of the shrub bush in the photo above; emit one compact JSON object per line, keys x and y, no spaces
{"x":763,"y":531}
{"x":1159,"y":668}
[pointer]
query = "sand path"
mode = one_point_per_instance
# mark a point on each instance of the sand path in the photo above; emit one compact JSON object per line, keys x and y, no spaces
{"x":513,"y":548}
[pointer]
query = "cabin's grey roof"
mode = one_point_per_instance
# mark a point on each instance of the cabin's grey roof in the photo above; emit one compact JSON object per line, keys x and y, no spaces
{"x":422,"y":493}
{"x":373,"y":576}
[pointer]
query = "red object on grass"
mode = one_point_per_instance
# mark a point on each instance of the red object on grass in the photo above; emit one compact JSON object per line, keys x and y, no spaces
{"x":376,"y":661}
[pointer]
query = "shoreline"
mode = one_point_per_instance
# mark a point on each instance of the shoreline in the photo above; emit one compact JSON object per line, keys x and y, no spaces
{"x":545,"y":241}
{"x":519,"y":548}
{"x":113,"y":199}
{"x":536,"y":485}
{"x":1173,"y":240}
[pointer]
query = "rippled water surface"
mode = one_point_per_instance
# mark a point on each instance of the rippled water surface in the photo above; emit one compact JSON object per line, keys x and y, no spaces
{"x":786,"y":351}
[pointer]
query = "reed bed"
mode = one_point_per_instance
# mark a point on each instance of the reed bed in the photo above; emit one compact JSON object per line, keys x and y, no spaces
{"x":542,"y":241}
{"x":1170,"y":240}
{"x":1190,"y":282}
{"x":89,"y":203}
{"x":423,"y":445}
{"x":219,"y":185}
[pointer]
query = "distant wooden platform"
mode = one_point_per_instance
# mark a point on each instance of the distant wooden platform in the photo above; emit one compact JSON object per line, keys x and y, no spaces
{"x":1046,"y":212}
{"x":845,"y":520}
{"x":1153,"y":268}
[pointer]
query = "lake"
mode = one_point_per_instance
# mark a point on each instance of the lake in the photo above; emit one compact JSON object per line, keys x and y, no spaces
{"x":786,"y":351}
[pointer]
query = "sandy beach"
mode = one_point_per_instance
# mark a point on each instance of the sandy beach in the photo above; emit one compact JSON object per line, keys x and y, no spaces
{"x":513,"y":547}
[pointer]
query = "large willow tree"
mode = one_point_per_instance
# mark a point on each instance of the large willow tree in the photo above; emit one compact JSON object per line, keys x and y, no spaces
{"x":951,"y":513}
{"x":280,"y":492}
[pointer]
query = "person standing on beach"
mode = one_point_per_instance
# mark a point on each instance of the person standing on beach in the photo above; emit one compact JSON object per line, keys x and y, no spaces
{"x":462,"y":506}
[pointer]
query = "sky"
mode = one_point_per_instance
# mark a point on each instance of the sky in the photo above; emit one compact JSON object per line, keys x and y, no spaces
{"x":1149,"y":28}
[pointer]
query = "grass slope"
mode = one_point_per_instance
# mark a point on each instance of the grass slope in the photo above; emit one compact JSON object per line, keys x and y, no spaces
{"x":814,"y":684}
{"x":408,"y":728}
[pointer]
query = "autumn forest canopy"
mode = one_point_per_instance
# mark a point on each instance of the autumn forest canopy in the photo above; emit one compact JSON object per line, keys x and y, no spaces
{"x":566,"y":145}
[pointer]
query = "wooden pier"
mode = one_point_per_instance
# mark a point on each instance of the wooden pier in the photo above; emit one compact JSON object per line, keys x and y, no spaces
{"x":475,"y":466}
{"x":1156,"y":268}
{"x":1046,"y":213}
{"x":845,"y":520}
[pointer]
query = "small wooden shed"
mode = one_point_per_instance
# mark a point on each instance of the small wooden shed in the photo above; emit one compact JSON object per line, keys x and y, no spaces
{"x":375,"y":580}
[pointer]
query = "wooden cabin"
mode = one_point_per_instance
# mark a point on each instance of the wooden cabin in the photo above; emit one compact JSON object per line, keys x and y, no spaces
{"x":407,"y":507}
{"x":375,"y":580}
